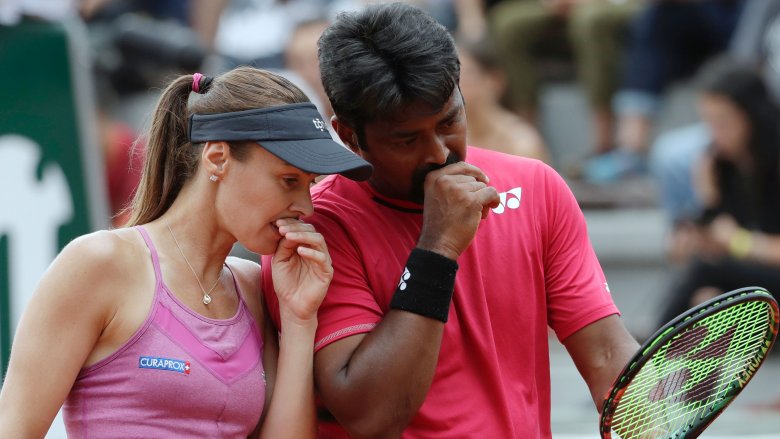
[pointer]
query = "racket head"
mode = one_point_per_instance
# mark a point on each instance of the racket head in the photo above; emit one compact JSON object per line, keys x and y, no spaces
{"x":692,"y":368}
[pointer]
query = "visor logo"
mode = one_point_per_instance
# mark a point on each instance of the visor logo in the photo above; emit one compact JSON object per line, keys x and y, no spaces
{"x":319,"y":124}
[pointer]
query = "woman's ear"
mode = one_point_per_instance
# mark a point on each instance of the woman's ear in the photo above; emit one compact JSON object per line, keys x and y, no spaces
{"x":215,"y":159}
{"x":346,"y":134}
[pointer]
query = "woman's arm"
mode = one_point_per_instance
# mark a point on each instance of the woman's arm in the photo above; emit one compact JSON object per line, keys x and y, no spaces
{"x":291,"y":412}
{"x":745,"y":244}
{"x":763,"y":248}
{"x":302,"y":272}
{"x":58,"y":330}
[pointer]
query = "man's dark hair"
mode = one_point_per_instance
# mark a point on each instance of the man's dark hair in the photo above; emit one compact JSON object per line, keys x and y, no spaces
{"x":384,"y":57}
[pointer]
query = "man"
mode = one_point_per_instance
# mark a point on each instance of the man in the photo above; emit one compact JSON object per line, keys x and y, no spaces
{"x":397,"y":352}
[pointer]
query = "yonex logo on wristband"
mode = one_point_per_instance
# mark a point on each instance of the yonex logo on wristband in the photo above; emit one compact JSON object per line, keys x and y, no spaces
{"x":430,"y":293}
{"x":404,"y":277}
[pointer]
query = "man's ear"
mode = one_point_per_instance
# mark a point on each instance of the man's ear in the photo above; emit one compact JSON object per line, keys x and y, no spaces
{"x":215,"y":158}
{"x":346,"y":134}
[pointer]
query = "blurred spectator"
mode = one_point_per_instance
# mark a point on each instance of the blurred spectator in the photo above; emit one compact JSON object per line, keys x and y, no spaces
{"x":490,"y":125}
{"x":669,"y":40}
{"x":123,"y":150}
{"x":124,"y":164}
{"x":756,"y":41}
{"x":278,"y":19}
{"x":200,"y":15}
{"x":256,"y":32}
{"x":736,"y":240}
{"x":528,"y":31}
{"x":138,"y":44}
{"x":204,"y":19}
{"x":471,"y":21}
{"x":300,"y":59}
{"x":671,"y":163}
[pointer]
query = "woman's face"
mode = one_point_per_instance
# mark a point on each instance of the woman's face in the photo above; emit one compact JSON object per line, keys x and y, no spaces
{"x":728,"y":124}
{"x":257,"y":193}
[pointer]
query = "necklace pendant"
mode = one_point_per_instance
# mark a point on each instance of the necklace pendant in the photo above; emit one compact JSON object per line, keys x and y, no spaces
{"x":206,"y":299}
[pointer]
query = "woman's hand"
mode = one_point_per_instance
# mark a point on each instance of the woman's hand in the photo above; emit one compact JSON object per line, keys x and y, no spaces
{"x":301,"y":269}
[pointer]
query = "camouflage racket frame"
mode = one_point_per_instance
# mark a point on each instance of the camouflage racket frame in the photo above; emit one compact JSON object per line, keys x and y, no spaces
{"x":692,"y":368}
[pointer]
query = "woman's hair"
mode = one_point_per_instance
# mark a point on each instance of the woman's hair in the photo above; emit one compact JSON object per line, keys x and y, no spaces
{"x":171,"y":159}
{"x":743,"y":85}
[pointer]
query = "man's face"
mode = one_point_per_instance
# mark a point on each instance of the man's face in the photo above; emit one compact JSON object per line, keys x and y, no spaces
{"x":405,"y":146}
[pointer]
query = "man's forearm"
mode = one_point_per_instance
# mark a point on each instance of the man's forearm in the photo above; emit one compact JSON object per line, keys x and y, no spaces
{"x":374,"y":384}
{"x":379,"y":391}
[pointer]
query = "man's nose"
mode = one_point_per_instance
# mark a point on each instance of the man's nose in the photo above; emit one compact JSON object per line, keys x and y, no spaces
{"x":437,"y":150}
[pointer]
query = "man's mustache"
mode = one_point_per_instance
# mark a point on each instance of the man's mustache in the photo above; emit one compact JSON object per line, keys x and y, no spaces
{"x":418,"y":178}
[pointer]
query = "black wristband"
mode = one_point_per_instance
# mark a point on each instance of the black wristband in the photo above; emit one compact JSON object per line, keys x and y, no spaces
{"x":426,"y":285}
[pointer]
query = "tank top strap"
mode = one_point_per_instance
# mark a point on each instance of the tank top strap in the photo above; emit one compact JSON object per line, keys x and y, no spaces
{"x":153,"y":251}
{"x":238,"y":289}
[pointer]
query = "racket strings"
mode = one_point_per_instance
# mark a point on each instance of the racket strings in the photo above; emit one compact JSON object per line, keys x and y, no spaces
{"x":663,"y":418}
{"x":694,"y":371}
{"x":716,"y":383}
{"x":704,"y":375}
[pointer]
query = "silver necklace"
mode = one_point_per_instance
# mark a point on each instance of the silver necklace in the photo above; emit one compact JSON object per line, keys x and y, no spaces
{"x":206,"y":294}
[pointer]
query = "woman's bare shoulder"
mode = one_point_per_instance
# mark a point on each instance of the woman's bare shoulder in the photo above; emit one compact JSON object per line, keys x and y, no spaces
{"x":93,"y":270}
{"x":106,"y":250}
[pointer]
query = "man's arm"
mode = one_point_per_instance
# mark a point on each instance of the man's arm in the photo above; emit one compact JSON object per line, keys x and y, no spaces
{"x":600,"y":351}
{"x":374,"y":383}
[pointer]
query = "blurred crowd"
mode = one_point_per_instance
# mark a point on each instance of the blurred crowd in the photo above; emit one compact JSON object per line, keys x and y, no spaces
{"x":718,"y":181}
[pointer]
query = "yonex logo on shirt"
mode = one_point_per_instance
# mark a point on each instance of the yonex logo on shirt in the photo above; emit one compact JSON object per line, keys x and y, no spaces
{"x":404,"y":277}
{"x":509,"y":199}
{"x":158,"y":363}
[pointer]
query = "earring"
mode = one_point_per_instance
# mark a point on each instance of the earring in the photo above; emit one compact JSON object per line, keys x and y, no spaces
{"x":213,"y":177}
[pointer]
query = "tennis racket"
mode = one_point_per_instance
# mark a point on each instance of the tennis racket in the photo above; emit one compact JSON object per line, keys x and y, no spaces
{"x":692,"y":368}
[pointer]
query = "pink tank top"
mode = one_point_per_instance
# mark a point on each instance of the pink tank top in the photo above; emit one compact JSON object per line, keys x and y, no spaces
{"x":180,"y":375}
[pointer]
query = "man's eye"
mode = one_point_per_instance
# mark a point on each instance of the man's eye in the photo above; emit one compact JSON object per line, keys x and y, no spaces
{"x":450,"y":122}
{"x":407,"y":141}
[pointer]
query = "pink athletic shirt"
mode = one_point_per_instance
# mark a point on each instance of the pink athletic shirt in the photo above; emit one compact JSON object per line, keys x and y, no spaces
{"x":180,"y":375}
{"x":530,"y":265}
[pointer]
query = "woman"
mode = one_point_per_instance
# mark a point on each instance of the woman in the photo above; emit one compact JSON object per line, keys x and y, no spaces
{"x":152,"y":330}
{"x":737,"y":241}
